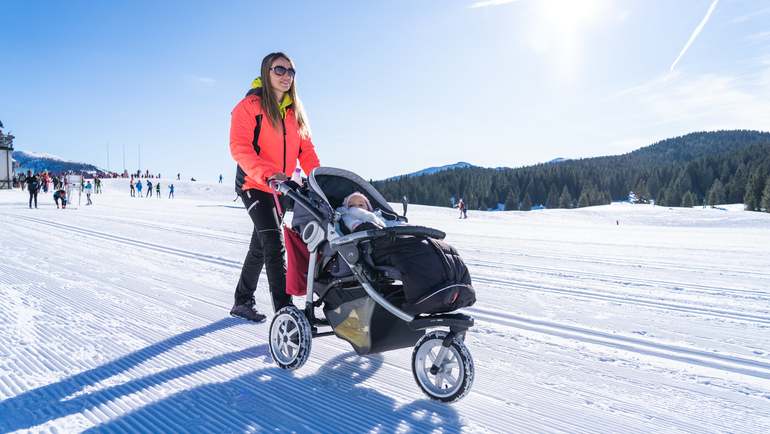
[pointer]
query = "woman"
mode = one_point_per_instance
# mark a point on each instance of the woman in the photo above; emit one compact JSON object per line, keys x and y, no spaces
{"x":269,"y":131}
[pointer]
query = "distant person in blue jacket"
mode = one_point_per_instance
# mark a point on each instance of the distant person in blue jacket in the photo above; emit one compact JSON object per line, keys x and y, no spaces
{"x":171,"y":191}
{"x":88,"y":188}
{"x":149,"y":188}
{"x":139,"y":188}
{"x":60,"y":195}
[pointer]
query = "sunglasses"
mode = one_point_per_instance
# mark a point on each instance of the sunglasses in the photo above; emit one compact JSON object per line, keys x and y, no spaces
{"x":281,"y":70}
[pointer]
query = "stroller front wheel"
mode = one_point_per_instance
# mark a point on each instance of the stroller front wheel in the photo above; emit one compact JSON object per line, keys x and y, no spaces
{"x":452,"y":377}
{"x":290,"y":338}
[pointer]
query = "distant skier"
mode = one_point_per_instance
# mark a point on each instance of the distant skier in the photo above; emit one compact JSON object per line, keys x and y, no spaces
{"x":60,"y":195}
{"x":157,"y":189}
{"x":133,"y":189}
{"x":44,"y":182}
{"x":461,"y":207}
{"x":88,"y":188}
{"x":139,"y":188}
{"x":178,"y":175}
{"x":149,"y":188}
{"x":98,"y":185}
{"x":33,"y":186}
{"x":23,"y":181}
{"x":404,"y":203}
{"x":220,"y":178}
{"x":171,"y":191}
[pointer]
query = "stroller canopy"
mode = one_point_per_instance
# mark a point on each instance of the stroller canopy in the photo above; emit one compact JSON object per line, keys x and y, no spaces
{"x":333,"y":185}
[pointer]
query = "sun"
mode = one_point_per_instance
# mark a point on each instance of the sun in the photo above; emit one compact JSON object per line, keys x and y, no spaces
{"x":559,"y":29}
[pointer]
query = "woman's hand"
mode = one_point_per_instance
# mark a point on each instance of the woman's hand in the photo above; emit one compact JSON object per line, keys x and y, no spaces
{"x":278,"y":176}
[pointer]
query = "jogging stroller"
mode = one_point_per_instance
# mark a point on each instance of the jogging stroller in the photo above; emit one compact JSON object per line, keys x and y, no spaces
{"x":375,"y":287}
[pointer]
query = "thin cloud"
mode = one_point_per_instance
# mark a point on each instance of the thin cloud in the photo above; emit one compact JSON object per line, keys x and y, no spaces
{"x":700,"y":102}
{"x":751,"y":16}
{"x":488,"y":3}
{"x":199,"y":81}
{"x":695,"y":33}
{"x":205,"y":80}
{"x":761,"y":36}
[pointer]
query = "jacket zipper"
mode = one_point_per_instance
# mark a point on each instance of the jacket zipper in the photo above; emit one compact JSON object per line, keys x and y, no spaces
{"x":283,"y":123}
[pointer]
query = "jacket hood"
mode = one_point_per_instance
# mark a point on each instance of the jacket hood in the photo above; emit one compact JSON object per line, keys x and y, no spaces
{"x":256,"y":89}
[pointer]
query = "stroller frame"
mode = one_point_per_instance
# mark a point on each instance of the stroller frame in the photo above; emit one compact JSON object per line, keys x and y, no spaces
{"x":430,"y":369}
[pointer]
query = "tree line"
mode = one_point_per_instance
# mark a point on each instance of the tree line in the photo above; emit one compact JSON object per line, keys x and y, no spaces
{"x":699,"y":168}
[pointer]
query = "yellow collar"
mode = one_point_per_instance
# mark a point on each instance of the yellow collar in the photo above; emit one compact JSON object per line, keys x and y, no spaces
{"x":285,"y":103}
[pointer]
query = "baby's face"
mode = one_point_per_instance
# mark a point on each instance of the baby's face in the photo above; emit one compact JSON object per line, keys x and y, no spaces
{"x":357,"y":202}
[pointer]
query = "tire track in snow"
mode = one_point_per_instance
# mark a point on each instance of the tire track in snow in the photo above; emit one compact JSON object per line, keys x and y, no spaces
{"x":151,"y":246}
{"x":739,"y":365}
{"x":593,"y":259}
{"x":180,"y":229}
{"x":637,"y":345}
{"x":629,"y":300}
{"x":584,"y":294}
{"x":614,"y":278}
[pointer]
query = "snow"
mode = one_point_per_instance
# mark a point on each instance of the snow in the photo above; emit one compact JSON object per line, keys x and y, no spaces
{"x":616,"y":318}
{"x":43,"y":155}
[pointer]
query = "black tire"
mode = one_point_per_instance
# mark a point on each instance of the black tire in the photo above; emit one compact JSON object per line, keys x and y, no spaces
{"x":290,"y":338}
{"x":448,"y":387}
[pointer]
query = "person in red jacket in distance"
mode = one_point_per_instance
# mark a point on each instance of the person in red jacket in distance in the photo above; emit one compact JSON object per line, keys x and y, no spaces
{"x":269,"y":132}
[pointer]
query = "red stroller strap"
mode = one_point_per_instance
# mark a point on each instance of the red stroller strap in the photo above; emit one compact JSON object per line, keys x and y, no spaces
{"x":278,"y":207}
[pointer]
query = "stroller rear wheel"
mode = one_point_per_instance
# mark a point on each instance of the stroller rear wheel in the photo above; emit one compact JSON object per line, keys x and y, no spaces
{"x":443,"y":373}
{"x":290,"y":338}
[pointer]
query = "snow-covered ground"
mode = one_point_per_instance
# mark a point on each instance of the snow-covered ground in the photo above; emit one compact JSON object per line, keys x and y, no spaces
{"x":620,"y":318}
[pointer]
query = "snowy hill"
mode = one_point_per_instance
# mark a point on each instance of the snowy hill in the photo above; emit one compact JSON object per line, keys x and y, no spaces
{"x":40,"y":161}
{"x":436,"y":169}
{"x":618,"y":318}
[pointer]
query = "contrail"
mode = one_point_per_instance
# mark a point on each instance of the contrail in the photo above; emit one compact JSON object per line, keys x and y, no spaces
{"x":695,"y":33}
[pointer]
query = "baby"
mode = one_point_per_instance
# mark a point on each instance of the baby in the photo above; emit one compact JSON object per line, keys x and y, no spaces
{"x":358,"y":215}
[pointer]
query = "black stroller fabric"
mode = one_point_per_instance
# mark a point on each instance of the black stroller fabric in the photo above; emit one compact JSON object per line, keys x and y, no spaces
{"x":367,"y":326}
{"x":434,"y":275}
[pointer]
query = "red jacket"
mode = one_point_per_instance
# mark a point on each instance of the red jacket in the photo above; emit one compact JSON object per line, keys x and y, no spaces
{"x":272,"y":151}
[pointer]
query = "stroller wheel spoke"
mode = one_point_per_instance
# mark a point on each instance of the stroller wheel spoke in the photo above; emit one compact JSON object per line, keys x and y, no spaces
{"x":449,"y":366}
{"x":432,"y":356}
{"x":439,"y":380}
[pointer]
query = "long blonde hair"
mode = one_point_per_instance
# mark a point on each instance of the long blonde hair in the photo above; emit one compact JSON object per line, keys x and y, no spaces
{"x":272,"y":106}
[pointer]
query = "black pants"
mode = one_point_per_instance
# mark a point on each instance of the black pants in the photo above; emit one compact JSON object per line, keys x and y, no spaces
{"x":32,"y":195}
{"x":266,"y":249}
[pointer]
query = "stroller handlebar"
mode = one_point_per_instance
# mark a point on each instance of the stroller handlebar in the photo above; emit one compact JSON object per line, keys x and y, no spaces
{"x":283,"y":187}
{"x":290,"y":189}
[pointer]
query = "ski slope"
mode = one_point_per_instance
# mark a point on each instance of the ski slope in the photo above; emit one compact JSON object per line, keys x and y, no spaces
{"x":619,"y":318}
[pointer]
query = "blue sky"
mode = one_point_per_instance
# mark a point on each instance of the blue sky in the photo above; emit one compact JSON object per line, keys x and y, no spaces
{"x":390,"y":87}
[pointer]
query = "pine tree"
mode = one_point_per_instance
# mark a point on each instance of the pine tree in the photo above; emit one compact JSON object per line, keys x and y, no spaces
{"x":511,"y":203}
{"x":565,"y":200}
{"x":553,"y":198}
{"x":584,"y":201}
{"x":526,"y":204}
{"x":765,"y":203}
{"x":716,"y":193}
{"x":750,"y":198}
{"x":688,"y":200}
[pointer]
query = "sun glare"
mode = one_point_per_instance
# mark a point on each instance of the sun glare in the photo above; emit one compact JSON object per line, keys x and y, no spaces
{"x":559,"y":29}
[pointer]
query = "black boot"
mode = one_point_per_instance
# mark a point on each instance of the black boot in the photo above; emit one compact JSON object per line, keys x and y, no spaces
{"x":247,"y":311}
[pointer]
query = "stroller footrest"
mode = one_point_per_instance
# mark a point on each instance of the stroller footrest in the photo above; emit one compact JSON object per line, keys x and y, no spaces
{"x":455,"y":321}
